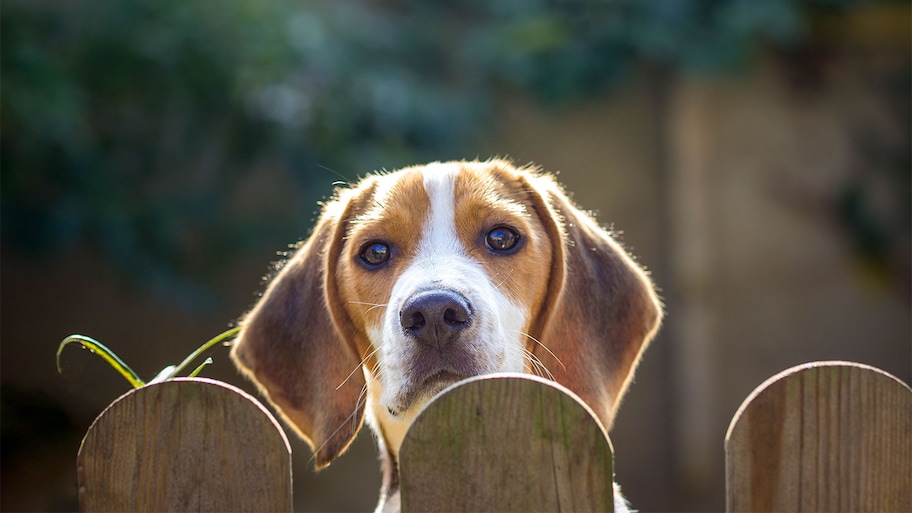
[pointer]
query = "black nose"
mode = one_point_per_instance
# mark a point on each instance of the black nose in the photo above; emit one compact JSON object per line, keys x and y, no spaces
{"x":435,"y":317}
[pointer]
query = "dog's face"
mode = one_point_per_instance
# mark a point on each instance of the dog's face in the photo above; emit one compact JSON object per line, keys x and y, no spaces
{"x":442,"y":269}
{"x":416,"y":279}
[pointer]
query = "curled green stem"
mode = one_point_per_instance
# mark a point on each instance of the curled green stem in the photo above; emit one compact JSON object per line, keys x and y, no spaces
{"x":102,"y":351}
{"x":167,"y":373}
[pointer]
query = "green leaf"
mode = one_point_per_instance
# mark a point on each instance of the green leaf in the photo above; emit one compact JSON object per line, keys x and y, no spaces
{"x":98,"y":348}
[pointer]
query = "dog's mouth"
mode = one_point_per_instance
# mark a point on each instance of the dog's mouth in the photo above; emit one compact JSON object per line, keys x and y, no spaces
{"x":421,"y":392}
{"x":434,"y":384}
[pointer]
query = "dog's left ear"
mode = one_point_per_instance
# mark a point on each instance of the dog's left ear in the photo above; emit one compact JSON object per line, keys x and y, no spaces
{"x":601,"y":309}
{"x":299,"y":351}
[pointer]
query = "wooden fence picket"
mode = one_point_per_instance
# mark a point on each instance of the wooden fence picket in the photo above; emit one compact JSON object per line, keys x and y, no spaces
{"x":506,"y":443}
{"x":185,"y":445}
{"x":825,"y":436}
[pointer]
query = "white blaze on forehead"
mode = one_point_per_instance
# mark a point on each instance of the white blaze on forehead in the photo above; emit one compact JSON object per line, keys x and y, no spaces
{"x":440,"y":230}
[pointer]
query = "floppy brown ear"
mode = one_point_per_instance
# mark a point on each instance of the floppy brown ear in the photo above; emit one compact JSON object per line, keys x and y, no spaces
{"x":292,"y":349}
{"x":600,"y":311}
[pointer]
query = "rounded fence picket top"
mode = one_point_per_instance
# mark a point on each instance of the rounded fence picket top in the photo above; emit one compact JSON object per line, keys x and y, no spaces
{"x":824,"y":436}
{"x":185,"y":445}
{"x":506,"y":443}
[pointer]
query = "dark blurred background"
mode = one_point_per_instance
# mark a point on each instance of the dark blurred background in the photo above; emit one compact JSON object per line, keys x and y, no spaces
{"x":157,"y":155}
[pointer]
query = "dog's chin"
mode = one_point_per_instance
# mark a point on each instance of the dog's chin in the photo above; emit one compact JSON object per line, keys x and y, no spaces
{"x":438,"y":382}
{"x":417,"y":395}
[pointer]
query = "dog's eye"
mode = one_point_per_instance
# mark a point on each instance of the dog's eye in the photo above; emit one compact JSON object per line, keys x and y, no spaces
{"x":502,"y":239}
{"x":375,"y":253}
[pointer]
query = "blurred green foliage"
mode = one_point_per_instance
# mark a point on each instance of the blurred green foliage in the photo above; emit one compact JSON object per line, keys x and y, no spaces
{"x":171,"y":135}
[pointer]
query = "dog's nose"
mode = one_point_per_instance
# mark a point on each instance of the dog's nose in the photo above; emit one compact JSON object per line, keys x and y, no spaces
{"x":435,"y":317}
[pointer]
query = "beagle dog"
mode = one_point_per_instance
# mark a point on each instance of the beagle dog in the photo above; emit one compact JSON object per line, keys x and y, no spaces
{"x":416,"y":279}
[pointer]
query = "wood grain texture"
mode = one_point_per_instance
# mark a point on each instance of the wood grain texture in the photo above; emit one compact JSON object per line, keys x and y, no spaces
{"x":185,"y":445}
{"x":506,"y":443}
{"x":827,"y":436}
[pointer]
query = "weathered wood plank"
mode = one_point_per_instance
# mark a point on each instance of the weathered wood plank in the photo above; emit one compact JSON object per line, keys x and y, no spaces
{"x":185,"y":445}
{"x":826,"y":436}
{"x":506,"y":443}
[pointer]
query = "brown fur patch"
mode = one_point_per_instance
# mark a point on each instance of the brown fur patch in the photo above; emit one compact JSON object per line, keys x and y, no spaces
{"x":493,"y":195}
{"x":394,"y":214}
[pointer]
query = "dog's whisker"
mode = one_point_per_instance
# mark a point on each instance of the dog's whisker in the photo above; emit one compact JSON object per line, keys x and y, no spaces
{"x":373,"y":306}
{"x":362,"y":396}
{"x":535,"y":364}
{"x":353,"y":418}
{"x":360,"y":364}
{"x":504,"y":280}
{"x":348,"y":181}
{"x":538,"y":365}
{"x":376,"y":371}
{"x":533,"y":339}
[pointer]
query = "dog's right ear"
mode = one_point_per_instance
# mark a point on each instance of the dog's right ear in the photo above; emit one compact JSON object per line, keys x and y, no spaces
{"x":294,"y":350}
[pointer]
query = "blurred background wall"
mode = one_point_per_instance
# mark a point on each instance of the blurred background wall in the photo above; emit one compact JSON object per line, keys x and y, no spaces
{"x":156,"y":156}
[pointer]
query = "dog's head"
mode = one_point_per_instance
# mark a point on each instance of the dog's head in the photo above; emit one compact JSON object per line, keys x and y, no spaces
{"x":416,"y":279}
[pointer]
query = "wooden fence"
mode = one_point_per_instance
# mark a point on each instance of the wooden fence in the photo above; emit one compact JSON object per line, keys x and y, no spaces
{"x":508,"y":443}
{"x":829,"y":436}
{"x":185,"y":445}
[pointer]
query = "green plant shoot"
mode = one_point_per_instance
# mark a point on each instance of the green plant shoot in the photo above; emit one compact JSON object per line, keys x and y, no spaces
{"x":129,"y":374}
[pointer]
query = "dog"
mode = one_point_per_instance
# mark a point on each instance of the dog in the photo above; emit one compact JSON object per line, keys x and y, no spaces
{"x":416,"y":279}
